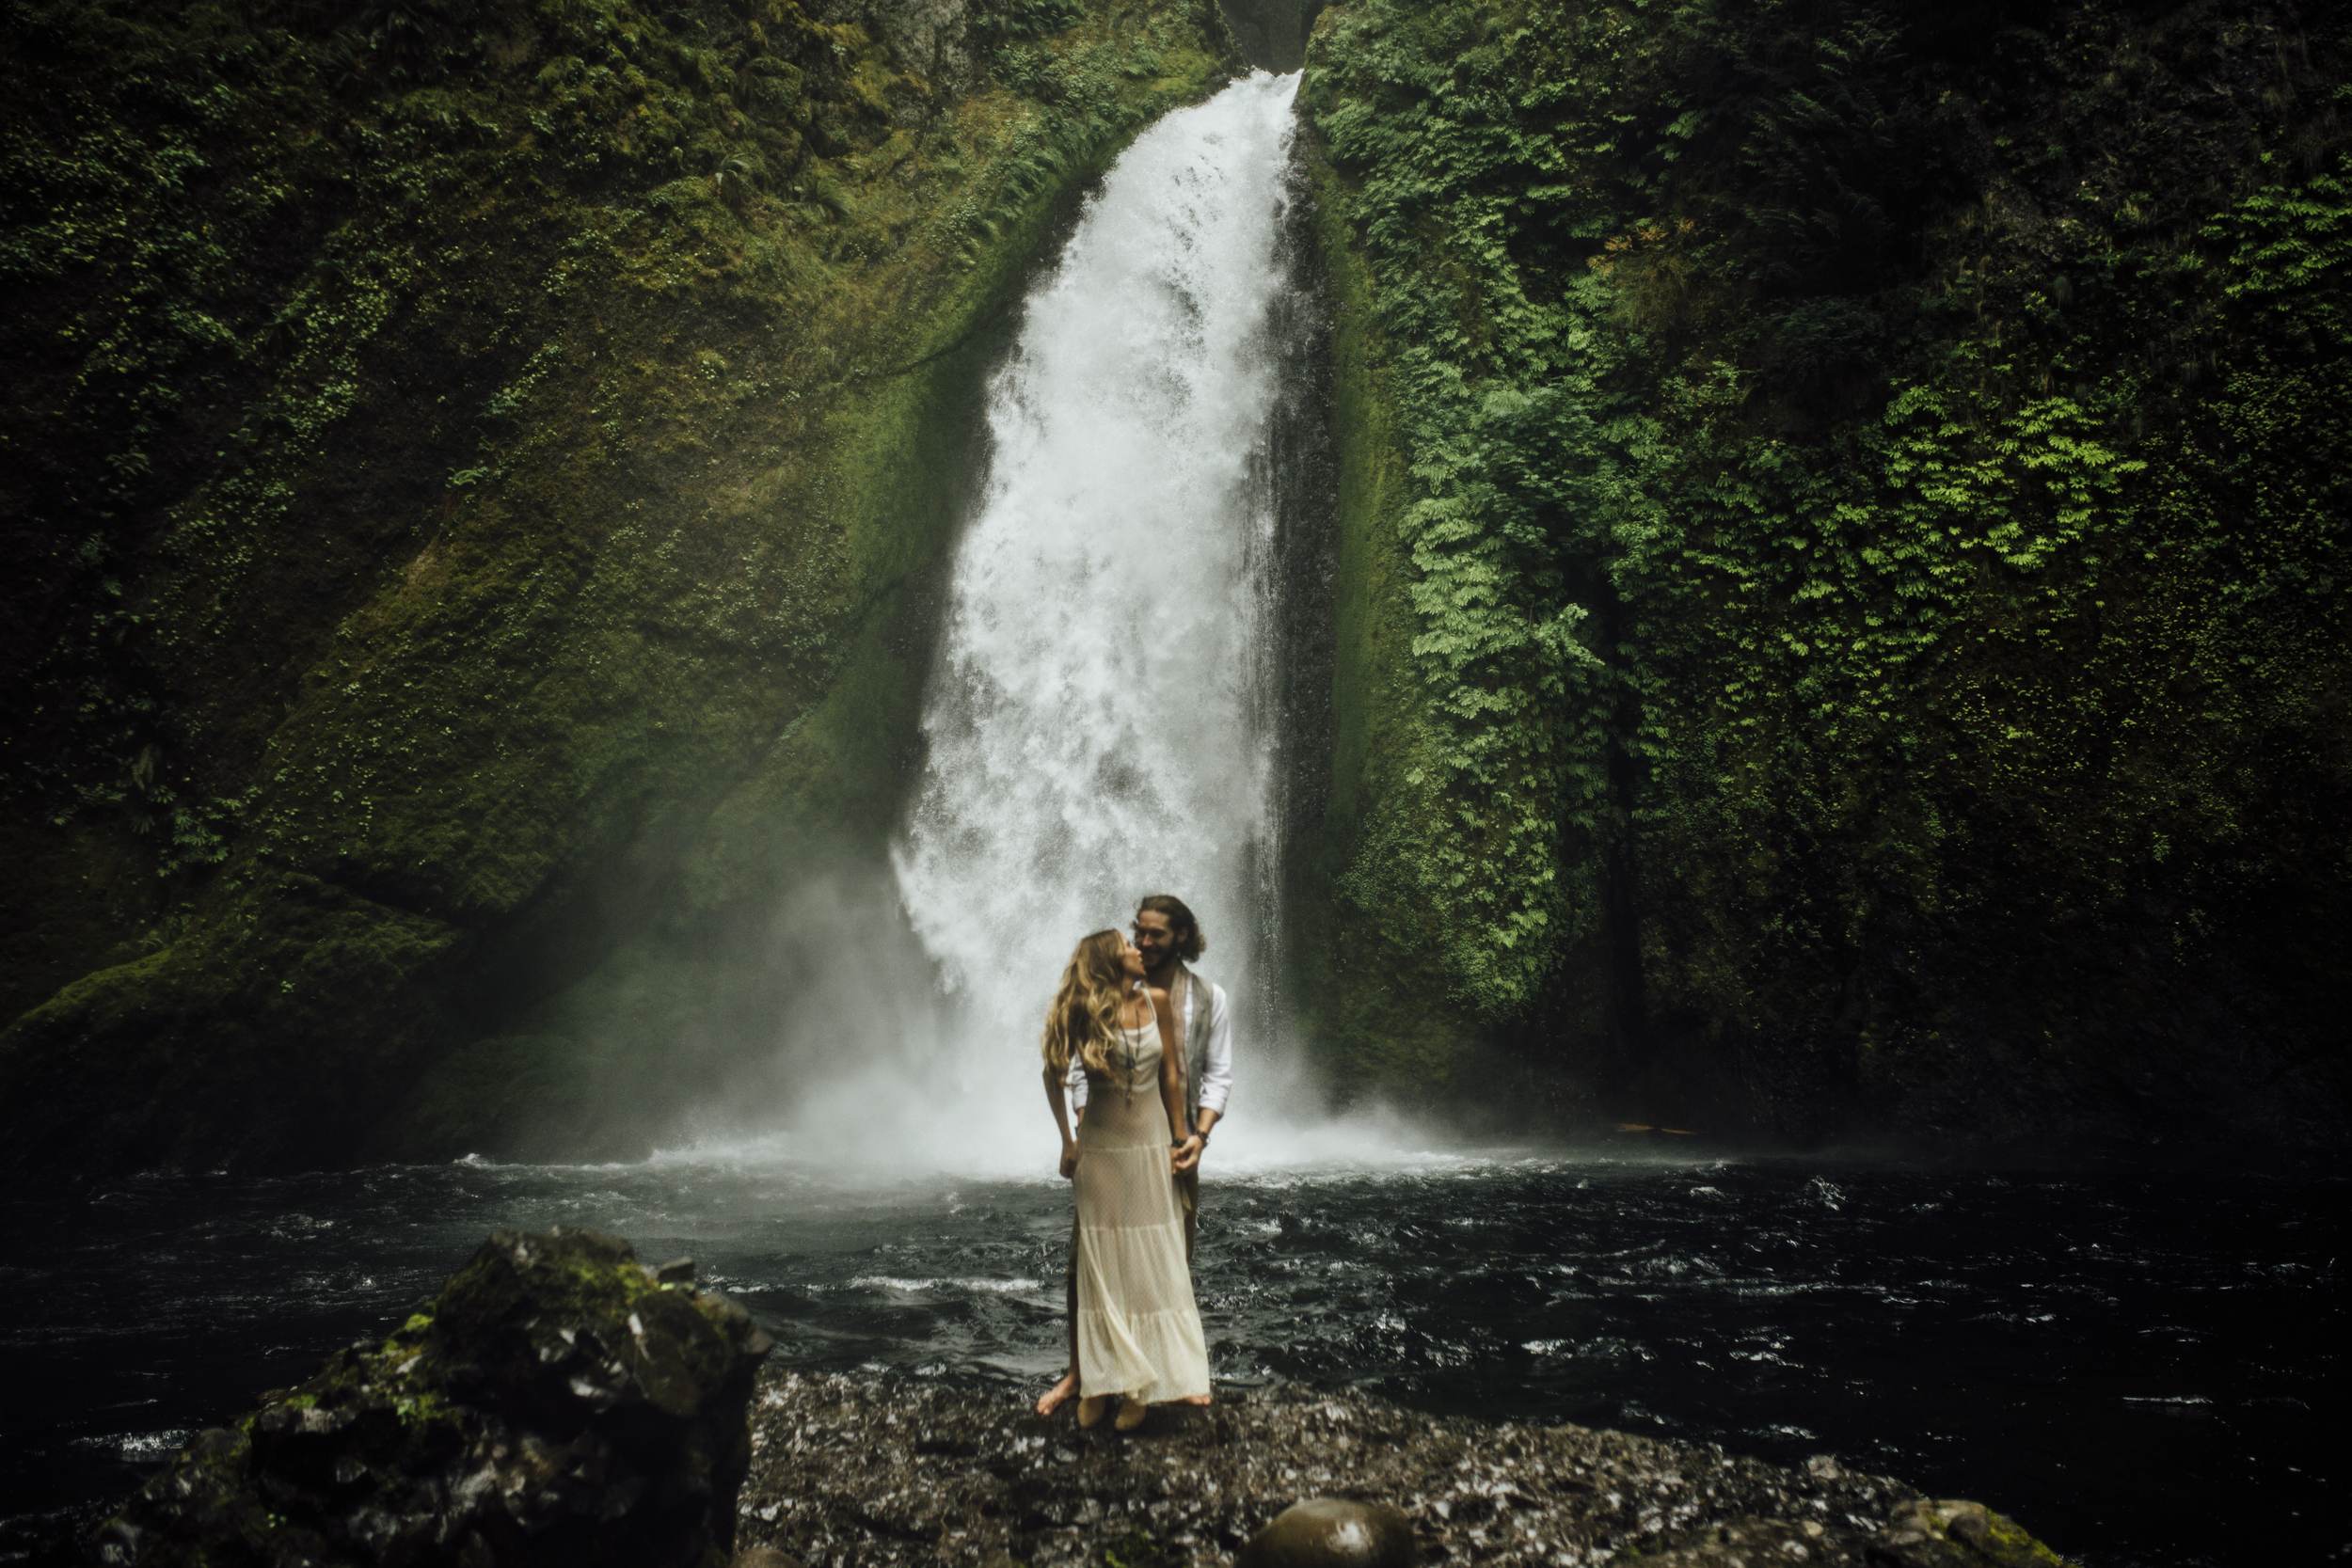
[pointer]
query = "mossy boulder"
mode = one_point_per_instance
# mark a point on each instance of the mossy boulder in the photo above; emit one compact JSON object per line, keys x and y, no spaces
{"x":558,"y":1403}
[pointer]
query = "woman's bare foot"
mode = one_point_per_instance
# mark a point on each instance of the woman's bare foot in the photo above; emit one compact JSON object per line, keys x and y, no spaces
{"x":1058,"y":1395}
{"x":1131,"y":1415}
{"x":1090,"y":1409}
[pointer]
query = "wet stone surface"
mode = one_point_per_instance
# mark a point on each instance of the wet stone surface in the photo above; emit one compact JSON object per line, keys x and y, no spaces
{"x":558,"y":1405}
{"x":866,"y":1471}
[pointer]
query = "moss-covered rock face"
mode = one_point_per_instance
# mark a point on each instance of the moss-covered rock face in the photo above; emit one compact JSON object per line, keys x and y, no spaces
{"x":1844,"y":557}
{"x":473,"y":476}
{"x":1956,"y":1533}
{"x":557,"y":1404}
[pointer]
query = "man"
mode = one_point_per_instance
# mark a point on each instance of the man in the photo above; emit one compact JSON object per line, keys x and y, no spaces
{"x":1169,"y":939}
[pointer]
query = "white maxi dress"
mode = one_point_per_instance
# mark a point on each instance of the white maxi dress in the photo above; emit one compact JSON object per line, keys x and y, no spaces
{"x":1139,"y":1330}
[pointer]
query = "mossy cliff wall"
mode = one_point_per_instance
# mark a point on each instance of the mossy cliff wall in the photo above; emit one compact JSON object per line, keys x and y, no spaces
{"x":472,"y":475}
{"x":1844,"y":560}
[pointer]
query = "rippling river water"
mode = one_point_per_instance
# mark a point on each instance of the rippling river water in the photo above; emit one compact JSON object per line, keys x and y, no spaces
{"x":2141,"y":1364}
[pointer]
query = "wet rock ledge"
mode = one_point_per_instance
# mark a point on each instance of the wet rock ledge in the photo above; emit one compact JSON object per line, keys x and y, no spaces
{"x":561,"y":1405}
{"x":850,"y":1472}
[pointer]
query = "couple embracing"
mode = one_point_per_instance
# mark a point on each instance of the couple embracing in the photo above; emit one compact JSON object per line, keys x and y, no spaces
{"x":1143,"y":1046}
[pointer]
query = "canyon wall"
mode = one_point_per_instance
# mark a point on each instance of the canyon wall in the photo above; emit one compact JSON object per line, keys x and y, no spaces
{"x":1843,"y":564}
{"x":1817,"y":532}
{"x":476,"y":475}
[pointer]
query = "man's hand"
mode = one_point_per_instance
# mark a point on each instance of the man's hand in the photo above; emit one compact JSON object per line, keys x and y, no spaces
{"x":1069,"y":1160}
{"x":1188,"y":1156}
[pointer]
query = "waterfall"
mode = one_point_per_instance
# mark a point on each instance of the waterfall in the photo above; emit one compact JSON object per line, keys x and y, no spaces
{"x":1093,"y":728}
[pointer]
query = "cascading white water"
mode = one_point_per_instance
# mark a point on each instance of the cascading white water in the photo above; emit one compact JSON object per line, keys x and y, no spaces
{"x":1093,"y":727}
{"x":1089,"y":728}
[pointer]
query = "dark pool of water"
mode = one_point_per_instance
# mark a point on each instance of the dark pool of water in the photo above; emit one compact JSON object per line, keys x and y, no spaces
{"x":2143,"y":1364}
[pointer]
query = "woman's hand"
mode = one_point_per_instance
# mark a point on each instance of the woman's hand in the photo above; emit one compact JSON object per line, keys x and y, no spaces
{"x":1068,"y":1158}
{"x":1187,"y":1156}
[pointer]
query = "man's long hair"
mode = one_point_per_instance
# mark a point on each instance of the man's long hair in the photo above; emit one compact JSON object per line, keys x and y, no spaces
{"x":1085,"y":1014}
{"x":1190,"y":943}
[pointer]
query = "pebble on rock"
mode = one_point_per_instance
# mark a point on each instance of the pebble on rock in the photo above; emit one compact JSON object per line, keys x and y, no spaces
{"x":1334,"y":1532}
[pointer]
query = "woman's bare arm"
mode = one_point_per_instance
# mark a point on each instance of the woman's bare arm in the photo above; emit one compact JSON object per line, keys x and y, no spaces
{"x":1058,"y":1098}
{"x":1171,"y":1066}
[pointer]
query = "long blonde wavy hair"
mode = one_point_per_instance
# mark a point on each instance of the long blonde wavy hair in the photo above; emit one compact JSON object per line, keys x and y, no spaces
{"x":1093,"y":989}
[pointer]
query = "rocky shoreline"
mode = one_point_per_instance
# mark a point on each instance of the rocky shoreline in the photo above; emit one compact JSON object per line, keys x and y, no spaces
{"x":561,"y":1405}
{"x":869,"y":1472}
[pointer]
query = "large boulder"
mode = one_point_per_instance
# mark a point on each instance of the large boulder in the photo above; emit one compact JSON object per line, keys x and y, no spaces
{"x":559,"y":1403}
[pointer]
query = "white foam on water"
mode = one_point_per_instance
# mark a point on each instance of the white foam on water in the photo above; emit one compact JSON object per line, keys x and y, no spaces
{"x":139,"y":1447}
{"x":919,"y":1287}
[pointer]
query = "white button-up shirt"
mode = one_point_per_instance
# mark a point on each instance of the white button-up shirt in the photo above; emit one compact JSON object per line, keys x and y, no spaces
{"x":1217,"y":1077}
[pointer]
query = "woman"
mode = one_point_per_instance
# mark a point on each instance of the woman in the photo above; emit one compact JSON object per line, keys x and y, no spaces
{"x":1139,"y":1336}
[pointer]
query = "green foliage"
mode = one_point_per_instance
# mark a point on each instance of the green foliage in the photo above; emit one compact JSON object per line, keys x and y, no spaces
{"x":1829,"y":504}
{"x":1003,"y":20}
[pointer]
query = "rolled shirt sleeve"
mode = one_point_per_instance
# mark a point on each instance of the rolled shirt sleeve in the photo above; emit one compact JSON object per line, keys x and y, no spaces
{"x":1217,"y":1078}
